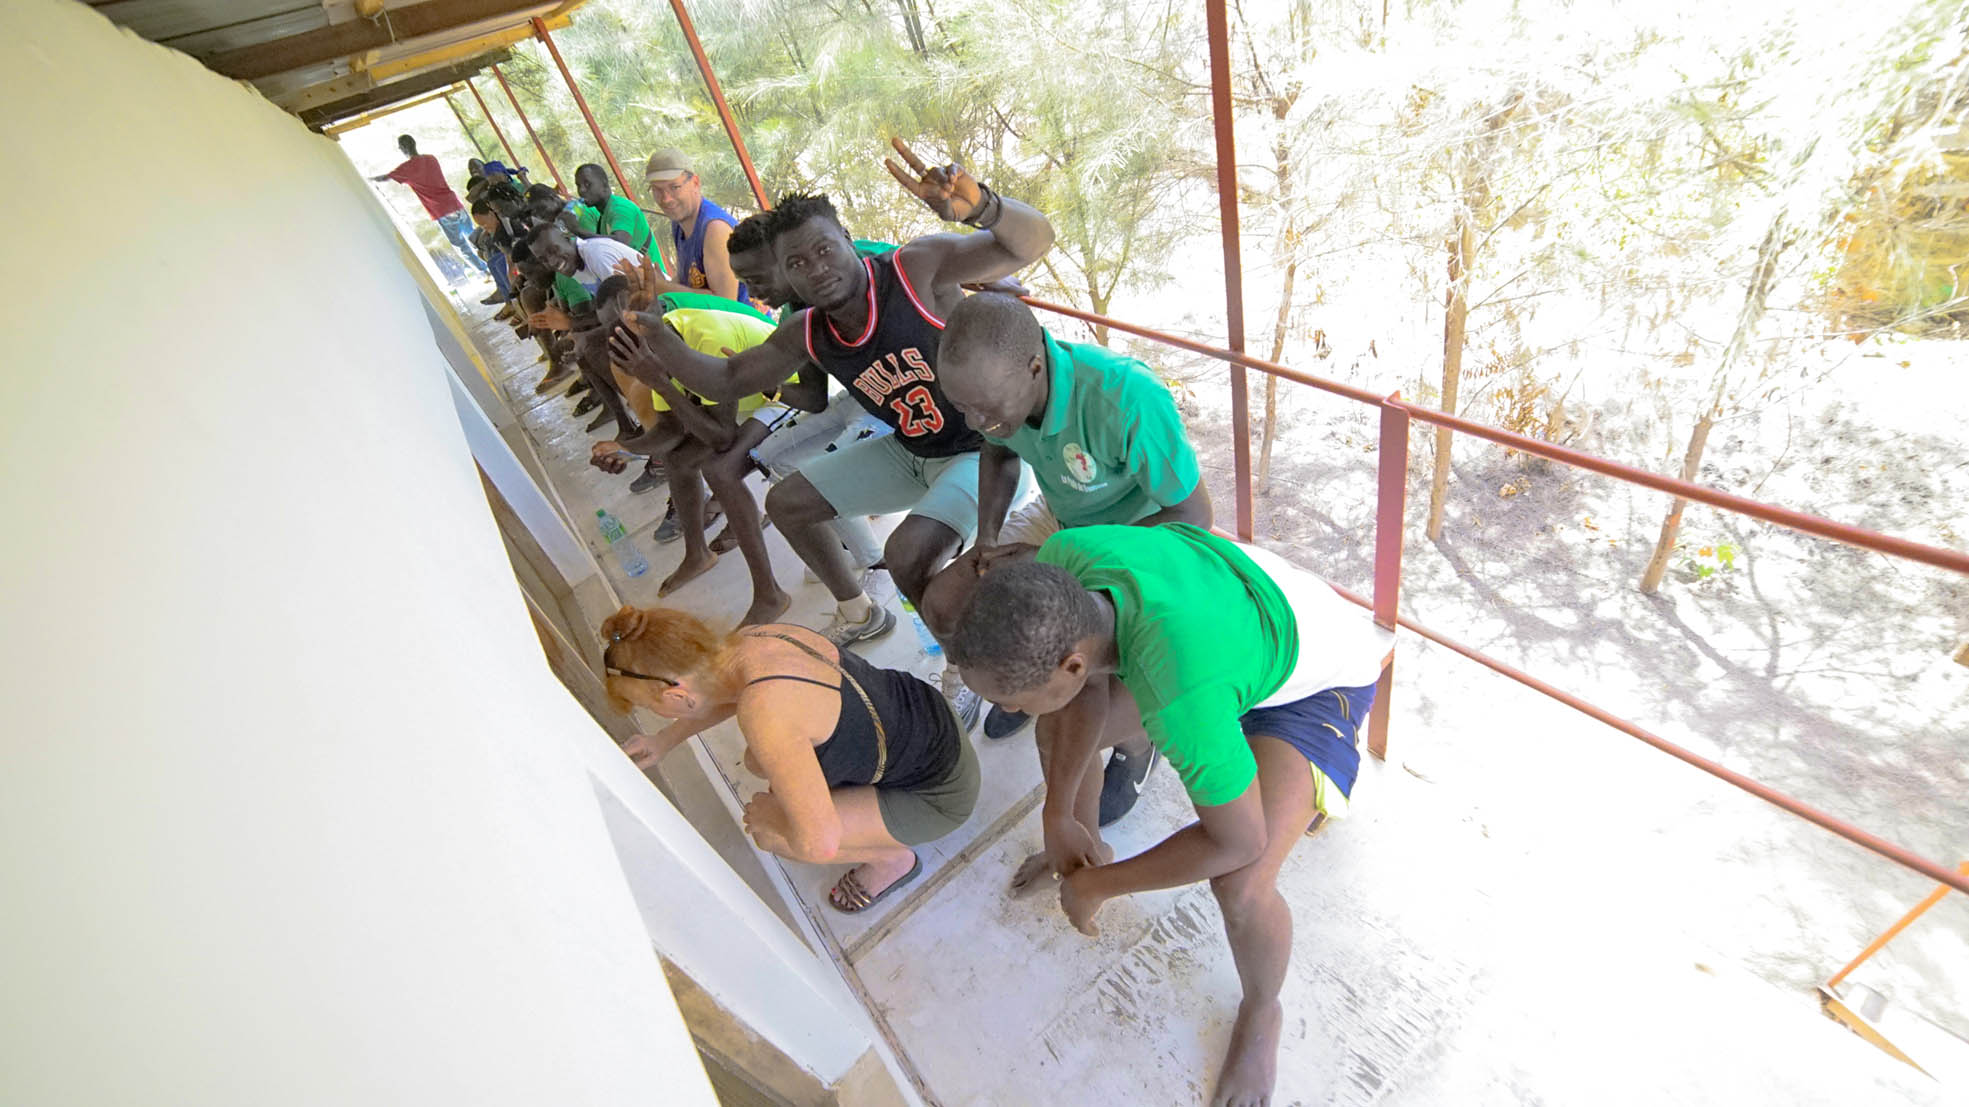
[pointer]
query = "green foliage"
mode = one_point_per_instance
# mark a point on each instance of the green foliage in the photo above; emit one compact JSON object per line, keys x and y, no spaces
{"x":1709,"y":561}
{"x":1075,"y":108}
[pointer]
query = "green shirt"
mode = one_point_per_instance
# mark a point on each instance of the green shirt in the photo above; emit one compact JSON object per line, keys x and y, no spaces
{"x":708,"y":301}
{"x":569,"y":291}
{"x":619,"y":214}
{"x":1110,"y":447}
{"x":622,"y":214}
{"x":1204,"y":636}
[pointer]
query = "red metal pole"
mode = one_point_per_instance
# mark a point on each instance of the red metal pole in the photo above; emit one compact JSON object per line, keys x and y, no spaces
{"x":1783,"y":516}
{"x":1900,"y":855}
{"x":547,"y":40}
{"x":1390,"y":518}
{"x":1220,"y":111}
{"x":718,"y":99}
{"x":1955,"y":560}
{"x":1218,"y":352}
{"x":463,"y":126}
{"x":528,"y":124}
{"x":495,"y":123}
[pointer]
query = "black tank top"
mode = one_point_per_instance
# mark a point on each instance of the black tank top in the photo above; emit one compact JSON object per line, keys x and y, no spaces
{"x":891,"y":367}
{"x":921,"y":730}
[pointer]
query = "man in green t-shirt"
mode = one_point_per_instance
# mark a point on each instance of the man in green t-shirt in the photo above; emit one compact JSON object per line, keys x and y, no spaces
{"x":1105,"y":443}
{"x":1249,"y":675}
{"x":618,"y":217}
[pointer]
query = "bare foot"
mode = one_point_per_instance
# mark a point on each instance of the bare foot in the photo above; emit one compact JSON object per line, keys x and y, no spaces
{"x":766,"y":608}
{"x":1251,"y":1065}
{"x":1034,"y":874}
{"x":691,"y":569}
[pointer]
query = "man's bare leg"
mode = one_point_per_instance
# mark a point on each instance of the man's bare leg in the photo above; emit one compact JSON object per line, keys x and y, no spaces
{"x":687,"y":493}
{"x":725,"y":473}
{"x":1259,"y":926}
{"x":801,"y":513}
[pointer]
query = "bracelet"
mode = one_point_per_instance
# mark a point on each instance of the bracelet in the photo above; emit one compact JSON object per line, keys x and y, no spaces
{"x":990,"y":205}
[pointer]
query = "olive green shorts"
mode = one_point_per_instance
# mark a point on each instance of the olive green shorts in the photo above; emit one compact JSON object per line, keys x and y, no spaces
{"x":916,"y":815}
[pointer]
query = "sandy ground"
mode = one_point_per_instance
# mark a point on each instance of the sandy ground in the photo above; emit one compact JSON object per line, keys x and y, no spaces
{"x":1817,"y":668}
{"x":1526,"y":908}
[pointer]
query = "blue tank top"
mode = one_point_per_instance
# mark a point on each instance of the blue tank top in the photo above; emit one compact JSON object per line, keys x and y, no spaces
{"x":690,"y":247}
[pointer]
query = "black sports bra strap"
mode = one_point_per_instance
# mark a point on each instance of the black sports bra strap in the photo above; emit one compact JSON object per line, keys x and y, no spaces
{"x":874,"y":717}
{"x":829,"y":685}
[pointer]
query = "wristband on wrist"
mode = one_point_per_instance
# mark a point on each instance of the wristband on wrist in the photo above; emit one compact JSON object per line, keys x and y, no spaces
{"x":989,"y":209}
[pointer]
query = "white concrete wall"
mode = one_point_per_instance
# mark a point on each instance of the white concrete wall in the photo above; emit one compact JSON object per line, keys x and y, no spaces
{"x":290,"y":810}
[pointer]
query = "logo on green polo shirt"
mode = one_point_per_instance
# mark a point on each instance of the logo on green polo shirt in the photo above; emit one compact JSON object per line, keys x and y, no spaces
{"x":1080,"y":467}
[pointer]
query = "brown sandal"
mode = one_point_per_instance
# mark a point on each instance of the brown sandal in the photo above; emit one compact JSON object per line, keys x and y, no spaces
{"x":849,"y":891}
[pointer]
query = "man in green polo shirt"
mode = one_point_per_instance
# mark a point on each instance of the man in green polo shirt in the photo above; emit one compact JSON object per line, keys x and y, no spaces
{"x":605,"y":213}
{"x":1104,"y":440}
{"x":1250,"y":675}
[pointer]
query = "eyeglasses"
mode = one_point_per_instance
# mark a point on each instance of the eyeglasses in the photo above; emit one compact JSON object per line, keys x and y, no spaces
{"x":617,"y":670}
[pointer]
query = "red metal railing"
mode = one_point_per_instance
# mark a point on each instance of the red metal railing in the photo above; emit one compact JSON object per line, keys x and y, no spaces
{"x":1397,"y":416}
{"x":528,"y":124}
{"x":718,"y":99}
{"x":497,"y":133}
{"x":580,"y":101}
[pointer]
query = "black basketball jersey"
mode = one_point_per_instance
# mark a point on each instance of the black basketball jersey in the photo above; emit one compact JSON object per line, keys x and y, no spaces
{"x":891,"y":367}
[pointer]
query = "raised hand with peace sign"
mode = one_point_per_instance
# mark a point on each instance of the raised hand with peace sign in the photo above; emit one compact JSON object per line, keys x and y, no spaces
{"x":946,"y":190}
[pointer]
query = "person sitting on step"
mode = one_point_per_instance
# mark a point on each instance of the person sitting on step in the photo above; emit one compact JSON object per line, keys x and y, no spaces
{"x":697,"y":438}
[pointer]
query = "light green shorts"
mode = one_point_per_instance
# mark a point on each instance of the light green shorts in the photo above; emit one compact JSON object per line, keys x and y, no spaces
{"x":925,"y":814}
{"x":877,"y":476}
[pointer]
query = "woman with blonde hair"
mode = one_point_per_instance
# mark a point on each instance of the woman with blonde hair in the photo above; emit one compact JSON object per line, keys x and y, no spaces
{"x":862,"y":764}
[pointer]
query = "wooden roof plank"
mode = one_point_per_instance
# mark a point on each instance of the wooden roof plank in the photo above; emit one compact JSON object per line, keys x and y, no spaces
{"x":344,"y":39}
{"x":415,"y":85}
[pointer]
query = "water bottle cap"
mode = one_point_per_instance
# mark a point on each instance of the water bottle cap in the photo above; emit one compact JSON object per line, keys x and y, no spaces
{"x":600,"y":511}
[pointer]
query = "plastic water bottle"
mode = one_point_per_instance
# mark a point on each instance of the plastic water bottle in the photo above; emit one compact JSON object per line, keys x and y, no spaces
{"x":930,"y":644}
{"x":626,"y":554}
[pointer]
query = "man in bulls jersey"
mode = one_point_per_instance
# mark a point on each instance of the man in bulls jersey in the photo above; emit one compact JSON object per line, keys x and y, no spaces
{"x":875,"y":325}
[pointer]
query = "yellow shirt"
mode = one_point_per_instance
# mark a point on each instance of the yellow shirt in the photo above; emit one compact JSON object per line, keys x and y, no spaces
{"x":713,"y":332}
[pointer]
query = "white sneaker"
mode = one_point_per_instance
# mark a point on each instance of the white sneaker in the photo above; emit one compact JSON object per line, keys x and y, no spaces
{"x":843,"y":632}
{"x":968,"y":704}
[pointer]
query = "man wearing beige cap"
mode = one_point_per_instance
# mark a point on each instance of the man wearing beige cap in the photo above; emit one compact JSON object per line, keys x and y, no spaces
{"x":699,"y":228}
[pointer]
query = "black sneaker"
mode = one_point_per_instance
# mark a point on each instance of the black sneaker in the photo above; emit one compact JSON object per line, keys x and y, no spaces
{"x":578,"y":387}
{"x":1000,"y":723}
{"x":587,"y":404}
{"x":650,"y":478}
{"x":670,"y":529}
{"x":1121,"y":783}
{"x":595,"y":424}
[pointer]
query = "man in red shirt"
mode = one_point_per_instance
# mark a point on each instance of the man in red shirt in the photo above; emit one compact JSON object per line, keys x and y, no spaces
{"x":426,"y":178}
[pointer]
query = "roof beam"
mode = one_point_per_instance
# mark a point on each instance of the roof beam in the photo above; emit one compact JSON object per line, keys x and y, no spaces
{"x":383,"y":95}
{"x":341,"y":40}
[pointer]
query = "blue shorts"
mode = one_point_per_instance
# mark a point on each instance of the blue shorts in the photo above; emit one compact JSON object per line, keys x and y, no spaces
{"x":1324,"y":727}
